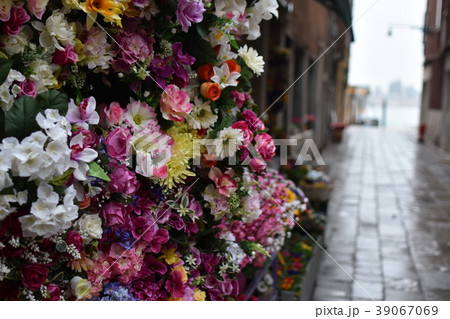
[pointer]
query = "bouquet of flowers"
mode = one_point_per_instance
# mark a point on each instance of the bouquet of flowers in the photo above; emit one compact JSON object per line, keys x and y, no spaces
{"x":131,"y":159}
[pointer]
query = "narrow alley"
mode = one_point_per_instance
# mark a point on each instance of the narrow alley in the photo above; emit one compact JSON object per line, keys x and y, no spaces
{"x":388,"y":219}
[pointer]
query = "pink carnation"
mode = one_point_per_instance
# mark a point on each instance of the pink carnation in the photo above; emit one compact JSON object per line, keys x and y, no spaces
{"x":175,"y":104}
{"x":253,"y":122}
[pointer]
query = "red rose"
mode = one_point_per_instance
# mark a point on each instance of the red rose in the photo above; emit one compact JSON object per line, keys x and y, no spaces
{"x":74,"y":238}
{"x":33,"y":276}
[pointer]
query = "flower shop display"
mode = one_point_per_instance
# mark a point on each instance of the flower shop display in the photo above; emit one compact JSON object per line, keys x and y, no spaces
{"x":132,"y":163}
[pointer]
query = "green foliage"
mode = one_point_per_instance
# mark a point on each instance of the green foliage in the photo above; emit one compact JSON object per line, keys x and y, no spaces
{"x":61,"y":180}
{"x":20,"y":120}
{"x":96,"y":171}
{"x":249,"y":247}
{"x":5,"y":66}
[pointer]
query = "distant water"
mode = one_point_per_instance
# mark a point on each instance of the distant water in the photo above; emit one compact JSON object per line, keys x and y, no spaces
{"x":397,"y":115}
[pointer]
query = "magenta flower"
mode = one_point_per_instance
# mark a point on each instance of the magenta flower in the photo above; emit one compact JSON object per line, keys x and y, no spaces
{"x":17,"y":18}
{"x":68,"y":56}
{"x":175,"y":284}
{"x":123,"y":181}
{"x":189,"y":11}
{"x":83,"y":114}
{"x":144,"y":229}
{"x":253,"y":122}
{"x":117,"y":143}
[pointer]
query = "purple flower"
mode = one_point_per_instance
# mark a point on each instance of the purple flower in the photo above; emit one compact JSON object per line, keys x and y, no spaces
{"x":134,"y":47}
{"x":161,"y":71}
{"x":189,"y":11}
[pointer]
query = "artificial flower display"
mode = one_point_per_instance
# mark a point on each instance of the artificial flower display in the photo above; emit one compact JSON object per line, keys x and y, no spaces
{"x":132,"y":163}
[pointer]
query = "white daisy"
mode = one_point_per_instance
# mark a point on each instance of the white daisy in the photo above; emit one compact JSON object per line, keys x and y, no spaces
{"x":201,"y":116}
{"x":139,"y":115}
{"x":223,"y":77}
{"x":252,"y":59}
{"x":226,"y":144}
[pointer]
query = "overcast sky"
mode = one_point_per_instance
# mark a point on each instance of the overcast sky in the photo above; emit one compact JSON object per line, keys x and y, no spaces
{"x":377,"y":59}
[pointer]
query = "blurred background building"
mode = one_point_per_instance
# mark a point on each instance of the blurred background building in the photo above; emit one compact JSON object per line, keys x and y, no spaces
{"x":435,"y":108}
{"x":304,"y":86}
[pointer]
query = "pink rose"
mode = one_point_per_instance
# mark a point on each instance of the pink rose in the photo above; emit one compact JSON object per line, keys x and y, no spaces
{"x":257,"y":165}
{"x":33,"y":276}
{"x":123,"y":181}
{"x":117,"y":143}
{"x":115,"y":214}
{"x":248,"y":135}
{"x":113,"y":113}
{"x":224,"y":181}
{"x":175,"y":103}
{"x":17,"y":18}
{"x":28,"y":88}
{"x":68,"y":56}
{"x":265,"y":146}
{"x":5,"y":11}
{"x":75,"y":239}
{"x":54,"y":292}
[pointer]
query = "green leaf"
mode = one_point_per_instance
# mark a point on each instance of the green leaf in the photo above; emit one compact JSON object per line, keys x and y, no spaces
{"x":53,"y":100}
{"x":20,"y":120}
{"x":5,"y":66}
{"x":56,"y":278}
{"x":184,"y":201}
{"x":60,"y":180}
{"x":96,"y":171}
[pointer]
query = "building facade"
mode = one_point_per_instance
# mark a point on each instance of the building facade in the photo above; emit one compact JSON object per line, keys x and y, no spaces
{"x":435,"y":106}
{"x":307,"y":58}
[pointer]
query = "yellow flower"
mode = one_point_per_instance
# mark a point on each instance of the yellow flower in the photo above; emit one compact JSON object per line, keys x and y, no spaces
{"x":169,"y":256}
{"x":185,"y":140}
{"x":306,"y":247}
{"x":290,"y":196}
{"x":199,"y":295}
{"x":110,"y":9}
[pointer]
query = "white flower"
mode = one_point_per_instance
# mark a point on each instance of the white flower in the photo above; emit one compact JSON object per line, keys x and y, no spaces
{"x":89,"y":226}
{"x":6,"y":99}
{"x":139,"y":115}
{"x":201,"y":116}
{"x":230,"y":6}
{"x":226,"y":144}
{"x":225,"y":53}
{"x":98,"y":50}
{"x":266,"y":8}
{"x":252,"y":59}
{"x":14,"y":44}
{"x":217,"y":37}
{"x":252,"y":208}
{"x":80,"y":287}
{"x":56,"y":31}
{"x":223,"y":77}
{"x":5,"y":180}
{"x":47,"y":217}
{"x":42,"y":75}
{"x":80,"y":160}
{"x":5,"y":207}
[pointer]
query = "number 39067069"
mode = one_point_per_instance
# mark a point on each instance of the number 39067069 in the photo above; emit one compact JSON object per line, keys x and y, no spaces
{"x":407,"y":310}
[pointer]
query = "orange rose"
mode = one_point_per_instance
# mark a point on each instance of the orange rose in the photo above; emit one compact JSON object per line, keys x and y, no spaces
{"x":233,"y":66}
{"x":210,"y":90}
{"x":209,"y":160}
{"x":205,"y":72}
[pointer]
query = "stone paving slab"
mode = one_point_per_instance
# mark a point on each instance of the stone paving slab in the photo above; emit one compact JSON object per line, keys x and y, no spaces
{"x":388,"y":218}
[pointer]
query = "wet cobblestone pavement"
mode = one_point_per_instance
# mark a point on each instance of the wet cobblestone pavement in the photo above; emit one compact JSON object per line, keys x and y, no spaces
{"x":388,"y":219}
